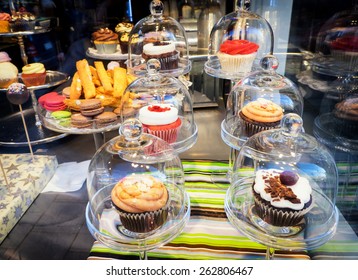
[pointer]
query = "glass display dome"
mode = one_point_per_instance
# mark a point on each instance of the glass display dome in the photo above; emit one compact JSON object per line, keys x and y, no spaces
{"x":337,"y":45}
{"x":237,"y":43}
{"x":284,"y":189}
{"x":164,"y":106}
{"x":133,"y":160}
{"x":258,"y":102}
{"x":161,"y":37}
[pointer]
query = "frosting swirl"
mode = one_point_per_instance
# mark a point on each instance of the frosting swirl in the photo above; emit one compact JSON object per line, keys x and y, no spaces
{"x":270,"y":188}
{"x":104,"y":34}
{"x":33,"y":68}
{"x":5,"y":16}
{"x":233,"y":47}
{"x":263,"y":110}
{"x":139,"y":193}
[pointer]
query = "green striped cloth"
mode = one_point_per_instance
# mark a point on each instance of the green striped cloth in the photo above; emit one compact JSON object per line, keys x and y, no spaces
{"x":209,"y":235}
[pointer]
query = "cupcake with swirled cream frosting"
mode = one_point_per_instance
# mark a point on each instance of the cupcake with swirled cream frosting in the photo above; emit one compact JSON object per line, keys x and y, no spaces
{"x":105,"y":41}
{"x":33,"y":74}
{"x":259,"y":115}
{"x":281,"y":198}
{"x":141,"y":201}
{"x":237,"y":56}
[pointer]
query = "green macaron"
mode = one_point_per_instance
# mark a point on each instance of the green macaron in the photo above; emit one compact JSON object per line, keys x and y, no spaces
{"x":64,"y":117}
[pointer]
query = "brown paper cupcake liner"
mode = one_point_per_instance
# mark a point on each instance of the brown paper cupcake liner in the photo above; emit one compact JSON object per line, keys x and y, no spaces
{"x":278,"y":217}
{"x":143,"y":222}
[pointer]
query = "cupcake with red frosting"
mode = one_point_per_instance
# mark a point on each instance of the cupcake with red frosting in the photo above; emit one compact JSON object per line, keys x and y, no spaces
{"x":345,"y":49}
{"x":161,"y":120}
{"x":237,"y":55}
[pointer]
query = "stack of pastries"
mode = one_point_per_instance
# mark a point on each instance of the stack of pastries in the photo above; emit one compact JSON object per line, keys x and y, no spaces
{"x":96,"y":95}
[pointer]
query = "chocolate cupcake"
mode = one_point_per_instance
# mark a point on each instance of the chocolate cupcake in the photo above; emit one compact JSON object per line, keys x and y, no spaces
{"x":142,"y":202}
{"x":282,"y":198}
{"x":165,"y":52}
{"x":260,"y":115}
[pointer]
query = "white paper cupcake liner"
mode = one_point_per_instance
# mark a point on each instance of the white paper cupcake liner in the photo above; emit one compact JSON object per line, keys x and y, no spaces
{"x":236,"y":63}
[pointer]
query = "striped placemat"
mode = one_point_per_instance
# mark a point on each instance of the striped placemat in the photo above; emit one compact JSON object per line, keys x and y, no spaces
{"x":209,"y":235}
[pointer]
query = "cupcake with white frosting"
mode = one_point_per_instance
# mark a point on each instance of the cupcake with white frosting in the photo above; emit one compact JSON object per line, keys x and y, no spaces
{"x":165,"y":52}
{"x":282,"y":198}
{"x":161,"y":120}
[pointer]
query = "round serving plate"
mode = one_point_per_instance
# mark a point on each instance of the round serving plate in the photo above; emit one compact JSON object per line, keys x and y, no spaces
{"x":104,"y":224}
{"x":318,"y":226}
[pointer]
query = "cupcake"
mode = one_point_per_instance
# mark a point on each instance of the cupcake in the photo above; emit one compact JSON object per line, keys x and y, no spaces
{"x":282,"y":198}
{"x":165,"y":52}
{"x":123,"y":43}
{"x":8,"y":71}
{"x":22,"y":21}
{"x":4,"y":22}
{"x":237,"y":55}
{"x":161,"y":120}
{"x":259,"y":115}
{"x":33,"y":74}
{"x":346,"y":116}
{"x":123,"y":27}
{"x":105,"y":41}
{"x":345,"y":50}
{"x":142,"y":203}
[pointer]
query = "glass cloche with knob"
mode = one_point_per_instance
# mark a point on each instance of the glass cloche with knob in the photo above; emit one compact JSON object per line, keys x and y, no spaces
{"x":160,"y":37}
{"x":336,"y":50}
{"x":135,"y":185}
{"x":258,"y":102}
{"x":284,"y":188}
{"x":237,"y":43}
{"x":164,"y":106}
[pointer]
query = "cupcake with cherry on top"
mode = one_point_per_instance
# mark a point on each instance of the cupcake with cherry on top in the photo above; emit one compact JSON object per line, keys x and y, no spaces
{"x":161,"y":120}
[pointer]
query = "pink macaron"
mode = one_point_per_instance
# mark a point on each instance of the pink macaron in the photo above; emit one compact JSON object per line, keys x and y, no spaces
{"x":52,"y":101}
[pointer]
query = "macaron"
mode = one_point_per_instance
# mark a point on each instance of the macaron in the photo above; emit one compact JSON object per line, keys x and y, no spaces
{"x":91,"y":107}
{"x":52,"y":101}
{"x":80,"y":121}
{"x":63,"y":117}
{"x":66,"y":92}
{"x":105,"y":118}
